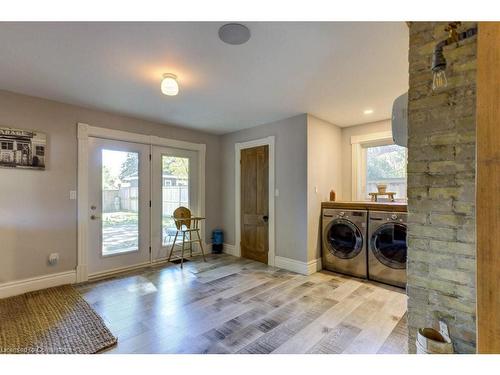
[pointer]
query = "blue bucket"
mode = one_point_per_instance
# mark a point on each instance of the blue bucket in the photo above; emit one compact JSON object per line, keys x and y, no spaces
{"x":217,"y":241}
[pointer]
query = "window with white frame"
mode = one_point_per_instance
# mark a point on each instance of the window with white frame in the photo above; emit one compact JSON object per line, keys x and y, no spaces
{"x":378,"y":161}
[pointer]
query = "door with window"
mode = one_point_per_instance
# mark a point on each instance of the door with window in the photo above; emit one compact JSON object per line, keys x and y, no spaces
{"x":119,"y":200}
{"x":174,"y":184}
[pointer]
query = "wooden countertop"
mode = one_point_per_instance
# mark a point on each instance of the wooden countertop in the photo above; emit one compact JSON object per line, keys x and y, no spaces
{"x":373,"y":206}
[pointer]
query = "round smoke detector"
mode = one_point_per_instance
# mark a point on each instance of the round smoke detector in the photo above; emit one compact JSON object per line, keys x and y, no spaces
{"x":234,"y":33}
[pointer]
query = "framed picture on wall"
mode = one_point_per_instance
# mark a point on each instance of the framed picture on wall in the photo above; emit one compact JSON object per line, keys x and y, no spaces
{"x":22,"y":148}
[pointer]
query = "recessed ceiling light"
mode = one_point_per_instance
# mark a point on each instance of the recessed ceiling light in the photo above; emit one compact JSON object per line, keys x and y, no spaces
{"x":169,"y":85}
{"x":234,"y":33}
{"x":368,"y":111}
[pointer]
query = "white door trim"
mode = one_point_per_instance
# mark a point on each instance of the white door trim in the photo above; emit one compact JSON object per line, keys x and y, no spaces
{"x":85,"y":131}
{"x":269,"y":141}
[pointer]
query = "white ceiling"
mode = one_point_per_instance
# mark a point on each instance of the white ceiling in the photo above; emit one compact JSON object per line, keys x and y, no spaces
{"x":332,"y":70}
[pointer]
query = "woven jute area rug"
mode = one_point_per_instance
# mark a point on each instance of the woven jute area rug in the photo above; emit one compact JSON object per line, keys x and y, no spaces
{"x":55,"y":320}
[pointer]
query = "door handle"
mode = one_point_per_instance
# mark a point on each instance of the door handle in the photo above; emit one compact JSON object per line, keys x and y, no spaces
{"x":94,"y":217}
{"x":265,"y":218}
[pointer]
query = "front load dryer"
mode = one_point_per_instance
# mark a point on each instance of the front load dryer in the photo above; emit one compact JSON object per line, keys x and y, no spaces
{"x":387,"y":247}
{"x":344,"y":244}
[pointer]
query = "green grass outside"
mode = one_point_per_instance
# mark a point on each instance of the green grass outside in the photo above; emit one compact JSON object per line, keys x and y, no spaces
{"x":130,"y":218}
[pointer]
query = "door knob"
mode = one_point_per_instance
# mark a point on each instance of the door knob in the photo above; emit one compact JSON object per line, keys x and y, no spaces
{"x":94,"y":217}
{"x":265,"y":218}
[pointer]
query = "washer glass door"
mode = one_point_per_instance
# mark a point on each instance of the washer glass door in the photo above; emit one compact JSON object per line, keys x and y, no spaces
{"x":388,"y":244}
{"x":344,"y":239}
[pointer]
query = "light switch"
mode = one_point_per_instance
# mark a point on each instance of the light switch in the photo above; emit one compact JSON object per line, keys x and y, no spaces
{"x":72,"y":195}
{"x":276,"y":193}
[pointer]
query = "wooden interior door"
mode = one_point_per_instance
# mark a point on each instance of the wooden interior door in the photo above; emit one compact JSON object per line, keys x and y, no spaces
{"x":487,"y":195}
{"x":255,"y":203}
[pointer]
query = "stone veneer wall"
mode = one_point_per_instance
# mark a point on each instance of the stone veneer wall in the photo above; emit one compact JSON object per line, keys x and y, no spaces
{"x":441,"y":188}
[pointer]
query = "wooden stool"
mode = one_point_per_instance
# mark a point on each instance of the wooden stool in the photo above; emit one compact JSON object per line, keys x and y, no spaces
{"x":374,"y":196}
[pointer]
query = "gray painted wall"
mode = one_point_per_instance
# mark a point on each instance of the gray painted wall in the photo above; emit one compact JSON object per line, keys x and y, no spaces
{"x":36,"y":215}
{"x":291,"y":180}
{"x":323,"y":174}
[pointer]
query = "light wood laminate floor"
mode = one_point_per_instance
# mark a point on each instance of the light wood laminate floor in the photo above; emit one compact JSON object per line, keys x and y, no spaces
{"x":234,"y":305}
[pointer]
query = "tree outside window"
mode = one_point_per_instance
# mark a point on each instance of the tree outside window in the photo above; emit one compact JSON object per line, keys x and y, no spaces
{"x":386,"y":164}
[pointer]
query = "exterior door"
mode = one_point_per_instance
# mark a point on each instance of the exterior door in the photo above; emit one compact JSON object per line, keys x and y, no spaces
{"x":119,"y":204}
{"x":175,"y":184}
{"x":254,"y":203}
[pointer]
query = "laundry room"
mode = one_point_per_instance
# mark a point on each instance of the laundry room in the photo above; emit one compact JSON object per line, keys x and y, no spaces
{"x":252,"y":200}
{"x":401,"y":214}
{"x":364,"y":227}
{"x":364,"y":221}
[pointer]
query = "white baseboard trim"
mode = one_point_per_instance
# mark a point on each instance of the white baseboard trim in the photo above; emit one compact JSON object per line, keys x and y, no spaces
{"x":304,"y":268}
{"x":13,"y":288}
{"x":230,"y":249}
{"x":314,"y":266}
{"x":114,"y":271}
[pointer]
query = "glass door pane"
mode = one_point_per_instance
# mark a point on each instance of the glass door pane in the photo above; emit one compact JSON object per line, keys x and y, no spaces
{"x":120,"y":202}
{"x":175,"y":192}
{"x":175,"y":184}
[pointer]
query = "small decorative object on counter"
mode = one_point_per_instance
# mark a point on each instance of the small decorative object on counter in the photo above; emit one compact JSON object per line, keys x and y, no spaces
{"x":382,"y":188}
{"x":332,"y":196}
{"x":217,"y":241}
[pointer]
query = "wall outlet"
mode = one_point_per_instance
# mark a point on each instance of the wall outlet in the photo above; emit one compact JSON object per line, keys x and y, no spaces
{"x":53,"y":259}
{"x":72,"y":195}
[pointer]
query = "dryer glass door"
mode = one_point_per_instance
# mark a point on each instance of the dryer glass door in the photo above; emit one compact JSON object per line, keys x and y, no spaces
{"x":388,"y":244}
{"x":344,"y":239}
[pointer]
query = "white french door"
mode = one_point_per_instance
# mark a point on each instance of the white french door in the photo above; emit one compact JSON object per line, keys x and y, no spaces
{"x":174,"y":183}
{"x":133,"y":190}
{"x":119,"y":199}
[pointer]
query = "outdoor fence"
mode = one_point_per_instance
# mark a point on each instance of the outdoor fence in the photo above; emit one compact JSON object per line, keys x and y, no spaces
{"x":396,"y":185}
{"x":173,"y":197}
{"x":127,"y":199}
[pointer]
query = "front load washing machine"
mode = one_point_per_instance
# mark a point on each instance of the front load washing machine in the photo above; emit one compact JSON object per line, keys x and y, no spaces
{"x":387,"y":247}
{"x":344,"y":245}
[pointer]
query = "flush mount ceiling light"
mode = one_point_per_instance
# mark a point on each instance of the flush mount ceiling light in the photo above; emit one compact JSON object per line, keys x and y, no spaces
{"x":368,"y":111}
{"x":169,"y":85}
{"x":234,"y":33}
